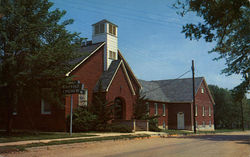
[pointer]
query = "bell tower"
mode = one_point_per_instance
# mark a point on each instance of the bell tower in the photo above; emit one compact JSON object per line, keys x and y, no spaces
{"x":105,"y":31}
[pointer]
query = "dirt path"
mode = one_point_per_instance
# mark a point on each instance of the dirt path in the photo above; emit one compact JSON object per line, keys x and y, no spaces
{"x":222,"y":145}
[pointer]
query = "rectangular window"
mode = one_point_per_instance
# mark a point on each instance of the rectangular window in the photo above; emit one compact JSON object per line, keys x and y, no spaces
{"x":196,"y":110}
{"x":164,"y":109}
{"x":102,"y":28}
{"x":210,"y":123}
{"x":112,"y":55}
{"x":45,"y":107}
{"x":110,"y":28}
{"x":83,"y":98}
{"x":203,"y":110}
{"x":164,"y":124}
{"x":45,"y":104}
{"x":156,"y":109}
{"x":147,"y":105}
{"x":203,"y":124}
{"x":114,"y":30}
{"x":202,"y":90}
{"x":196,"y":124}
{"x":97,"y":29}
{"x":209,"y":111}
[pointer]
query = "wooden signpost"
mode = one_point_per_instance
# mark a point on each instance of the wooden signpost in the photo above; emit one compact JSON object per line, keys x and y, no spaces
{"x":73,"y":87}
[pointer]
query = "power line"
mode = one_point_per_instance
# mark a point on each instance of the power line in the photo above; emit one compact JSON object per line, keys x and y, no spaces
{"x":167,"y":83}
{"x":127,"y":16}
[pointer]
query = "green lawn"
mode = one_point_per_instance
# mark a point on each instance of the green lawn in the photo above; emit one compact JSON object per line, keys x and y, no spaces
{"x":25,"y":135}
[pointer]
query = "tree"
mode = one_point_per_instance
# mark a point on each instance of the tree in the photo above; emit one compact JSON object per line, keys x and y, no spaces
{"x":239,"y":95}
{"x":225,"y":22}
{"x":139,"y":107}
{"x":35,"y":50}
{"x":226,"y":110}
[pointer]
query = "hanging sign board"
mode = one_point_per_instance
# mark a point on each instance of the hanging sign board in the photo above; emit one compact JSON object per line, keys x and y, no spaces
{"x":74,"y":87}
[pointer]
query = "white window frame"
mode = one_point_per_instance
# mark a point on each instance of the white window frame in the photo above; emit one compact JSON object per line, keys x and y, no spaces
{"x":209,"y":111}
{"x":164,"y":109}
{"x":42,"y":108}
{"x":156,"y":109}
{"x":196,"y":110}
{"x":202,"y":90}
{"x":203,"y":110}
{"x":85,"y":101}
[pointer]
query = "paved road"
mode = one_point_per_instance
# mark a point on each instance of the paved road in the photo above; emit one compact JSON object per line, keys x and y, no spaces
{"x":223,"y":145}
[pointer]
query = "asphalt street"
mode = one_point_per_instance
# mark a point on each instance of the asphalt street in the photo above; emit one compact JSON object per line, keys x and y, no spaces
{"x":223,"y":145}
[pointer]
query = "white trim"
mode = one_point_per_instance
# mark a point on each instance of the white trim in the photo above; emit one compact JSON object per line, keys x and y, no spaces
{"x":113,"y":76}
{"x":164,"y":109}
{"x":119,"y":53}
{"x":130,"y":84}
{"x":85,"y":59}
{"x":156,"y":108}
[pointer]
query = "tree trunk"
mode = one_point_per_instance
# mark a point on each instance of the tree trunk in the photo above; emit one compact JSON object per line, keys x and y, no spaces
{"x":9,"y":120}
{"x":242,"y":114}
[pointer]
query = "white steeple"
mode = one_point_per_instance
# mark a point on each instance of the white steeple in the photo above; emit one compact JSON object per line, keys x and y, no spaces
{"x":105,"y":31}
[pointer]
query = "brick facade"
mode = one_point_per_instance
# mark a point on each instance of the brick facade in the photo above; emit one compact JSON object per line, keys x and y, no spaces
{"x":203,"y":99}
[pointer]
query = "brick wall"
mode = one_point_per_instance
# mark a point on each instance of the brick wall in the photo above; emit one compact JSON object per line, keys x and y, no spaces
{"x":203,"y":99}
{"x":87,"y":73}
{"x":120,"y":88}
{"x":173,"y":109}
{"x":161,"y":118}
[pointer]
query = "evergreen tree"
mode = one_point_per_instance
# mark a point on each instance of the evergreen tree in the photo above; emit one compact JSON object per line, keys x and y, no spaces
{"x":139,"y":107}
{"x":35,"y":50}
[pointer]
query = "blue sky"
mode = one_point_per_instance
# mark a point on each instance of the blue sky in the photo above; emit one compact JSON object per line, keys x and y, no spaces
{"x":150,"y":38}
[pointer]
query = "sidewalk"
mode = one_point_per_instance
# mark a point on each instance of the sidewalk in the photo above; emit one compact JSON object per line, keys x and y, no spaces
{"x":74,"y":138}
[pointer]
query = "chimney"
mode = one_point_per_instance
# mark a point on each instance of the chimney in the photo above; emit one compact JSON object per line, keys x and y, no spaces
{"x":106,"y":31}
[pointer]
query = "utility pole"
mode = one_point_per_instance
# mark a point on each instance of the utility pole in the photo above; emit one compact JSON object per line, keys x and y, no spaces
{"x":194,"y":122}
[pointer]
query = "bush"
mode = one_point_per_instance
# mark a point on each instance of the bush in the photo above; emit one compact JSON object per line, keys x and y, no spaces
{"x":153,"y":124}
{"x":82,"y":120}
{"x":120,"y":128}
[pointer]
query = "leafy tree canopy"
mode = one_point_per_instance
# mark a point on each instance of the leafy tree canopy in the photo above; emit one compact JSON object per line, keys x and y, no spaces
{"x":225,"y":22}
{"x":35,"y":48}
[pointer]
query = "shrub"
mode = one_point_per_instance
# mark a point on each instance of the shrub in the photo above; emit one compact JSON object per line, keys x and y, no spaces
{"x":120,"y":128}
{"x":153,"y":124}
{"x":82,"y":120}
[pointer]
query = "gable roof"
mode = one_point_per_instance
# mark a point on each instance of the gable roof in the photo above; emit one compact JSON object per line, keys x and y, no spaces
{"x":87,"y":51}
{"x":174,"y":90}
{"x":129,"y":69}
{"x":108,"y":76}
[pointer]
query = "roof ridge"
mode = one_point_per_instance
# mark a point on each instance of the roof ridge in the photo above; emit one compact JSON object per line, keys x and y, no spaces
{"x":171,"y":79}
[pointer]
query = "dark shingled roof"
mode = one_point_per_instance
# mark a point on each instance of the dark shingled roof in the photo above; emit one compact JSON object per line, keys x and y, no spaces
{"x":85,"y":51}
{"x":175,"y":90}
{"x":104,"y":21}
{"x":107,"y":76}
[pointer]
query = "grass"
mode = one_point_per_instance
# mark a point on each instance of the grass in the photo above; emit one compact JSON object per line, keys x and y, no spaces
{"x":25,"y":135}
{"x":6,"y":149}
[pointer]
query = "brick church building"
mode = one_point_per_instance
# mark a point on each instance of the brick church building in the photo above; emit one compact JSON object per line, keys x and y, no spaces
{"x":103,"y":64}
